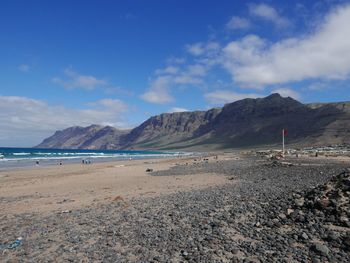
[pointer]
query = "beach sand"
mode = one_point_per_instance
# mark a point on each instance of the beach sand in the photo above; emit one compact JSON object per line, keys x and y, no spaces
{"x":231,"y":209}
{"x":58,"y":188}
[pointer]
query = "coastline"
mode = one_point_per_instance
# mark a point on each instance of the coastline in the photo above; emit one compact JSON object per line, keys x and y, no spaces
{"x":54,"y":157}
{"x":55,"y":188}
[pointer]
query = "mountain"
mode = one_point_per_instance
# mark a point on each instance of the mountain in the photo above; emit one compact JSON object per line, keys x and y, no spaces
{"x":169,"y":130}
{"x":91,"y":137}
{"x":343,"y":106}
{"x":244,"y":123}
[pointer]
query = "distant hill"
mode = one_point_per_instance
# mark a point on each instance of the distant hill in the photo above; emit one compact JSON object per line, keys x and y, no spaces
{"x":244,"y":123}
{"x":91,"y":137}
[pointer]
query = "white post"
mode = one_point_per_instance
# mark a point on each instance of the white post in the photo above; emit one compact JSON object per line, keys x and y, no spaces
{"x":283,"y":142}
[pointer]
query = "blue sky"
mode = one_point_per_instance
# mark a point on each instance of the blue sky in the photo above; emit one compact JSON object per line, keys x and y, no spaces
{"x":65,"y":63}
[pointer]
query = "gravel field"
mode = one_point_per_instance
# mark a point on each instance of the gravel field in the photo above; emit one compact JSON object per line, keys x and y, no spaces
{"x":260,"y":215}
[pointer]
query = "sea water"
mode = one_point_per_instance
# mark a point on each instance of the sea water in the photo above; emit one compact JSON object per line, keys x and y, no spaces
{"x":27,"y":157}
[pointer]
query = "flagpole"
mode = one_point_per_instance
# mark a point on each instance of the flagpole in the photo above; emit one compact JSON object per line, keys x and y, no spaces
{"x":283,"y":142}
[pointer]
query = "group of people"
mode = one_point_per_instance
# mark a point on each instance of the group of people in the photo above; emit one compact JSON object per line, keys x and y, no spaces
{"x":88,"y":161}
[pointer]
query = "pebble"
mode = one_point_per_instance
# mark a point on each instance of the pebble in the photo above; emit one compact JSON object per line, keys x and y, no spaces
{"x":208,"y":225}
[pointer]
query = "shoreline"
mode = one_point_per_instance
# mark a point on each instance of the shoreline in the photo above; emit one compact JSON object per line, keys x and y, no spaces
{"x":28,"y":163}
{"x":72,"y":186}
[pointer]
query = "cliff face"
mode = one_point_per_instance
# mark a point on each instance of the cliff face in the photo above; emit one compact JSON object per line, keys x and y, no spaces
{"x":243,"y":123}
{"x":165,"y":130}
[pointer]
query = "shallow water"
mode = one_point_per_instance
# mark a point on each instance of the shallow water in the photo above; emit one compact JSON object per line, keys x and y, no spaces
{"x":30,"y":157}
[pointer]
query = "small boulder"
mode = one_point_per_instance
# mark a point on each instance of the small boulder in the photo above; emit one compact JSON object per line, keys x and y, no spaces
{"x":320,"y":249}
{"x":299,"y":202}
{"x":304,"y":236}
{"x":290,"y":211}
{"x":323,"y":203}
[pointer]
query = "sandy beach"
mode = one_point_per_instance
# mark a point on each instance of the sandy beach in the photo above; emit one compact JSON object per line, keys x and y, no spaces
{"x":236,"y":208}
{"x":56,"y":188}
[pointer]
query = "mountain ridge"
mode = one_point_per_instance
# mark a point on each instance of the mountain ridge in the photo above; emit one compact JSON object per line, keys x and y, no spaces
{"x":243,"y":123}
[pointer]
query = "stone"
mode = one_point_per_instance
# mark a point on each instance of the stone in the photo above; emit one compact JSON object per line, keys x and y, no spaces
{"x":333,"y":236}
{"x":344,"y":219}
{"x":320,"y":249}
{"x":299,"y":202}
{"x":304,"y":236}
{"x":323,"y":203}
{"x":282,"y":216}
{"x":346,"y":242}
{"x":290,"y":211}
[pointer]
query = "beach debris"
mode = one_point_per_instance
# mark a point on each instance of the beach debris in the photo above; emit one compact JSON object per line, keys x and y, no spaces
{"x":231,"y":178}
{"x":13,"y":245}
{"x":149,"y":170}
{"x":66,"y":211}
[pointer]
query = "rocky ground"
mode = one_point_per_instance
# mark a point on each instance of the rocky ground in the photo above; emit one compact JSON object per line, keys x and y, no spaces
{"x":265,"y":213}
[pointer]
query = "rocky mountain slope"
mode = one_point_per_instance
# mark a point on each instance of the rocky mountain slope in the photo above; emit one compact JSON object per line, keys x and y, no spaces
{"x":244,"y":123}
{"x":91,"y":137}
{"x":343,"y":105}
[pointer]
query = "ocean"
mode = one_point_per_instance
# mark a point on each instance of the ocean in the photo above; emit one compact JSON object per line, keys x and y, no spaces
{"x":29,"y":157}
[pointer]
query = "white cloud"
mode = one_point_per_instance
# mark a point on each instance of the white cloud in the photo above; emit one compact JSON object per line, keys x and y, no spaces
{"x":177,"y":74}
{"x":25,"y":121}
{"x":175,"y":60}
{"x":200,"y":48}
{"x":158,"y":92}
{"x":171,"y":77}
{"x":176,"y":109}
{"x":74,"y":80}
{"x":238,"y":23}
{"x":268,"y":13}
{"x":225,"y":96}
{"x":323,"y":54}
{"x":186,"y":79}
{"x":113,"y":105}
{"x":286,"y":92}
{"x":168,"y":70}
{"x":197,"y":70}
{"x":24,"y":68}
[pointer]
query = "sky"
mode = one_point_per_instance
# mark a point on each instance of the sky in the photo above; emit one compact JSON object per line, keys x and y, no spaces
{"x":67,"y":63}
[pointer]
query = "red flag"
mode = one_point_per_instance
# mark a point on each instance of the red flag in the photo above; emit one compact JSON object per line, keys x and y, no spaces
{"x":285,"y":132}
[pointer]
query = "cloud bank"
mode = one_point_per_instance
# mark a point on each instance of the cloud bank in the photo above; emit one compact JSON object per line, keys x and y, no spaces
{"x":25,"y":121}
{"x":74,"y":80}
{"x":320,"y":55}
{"x":323,"y":54}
